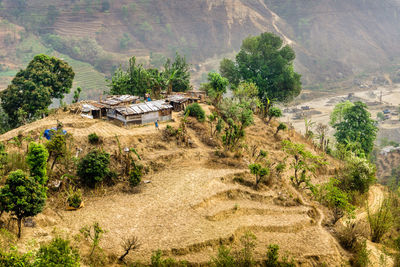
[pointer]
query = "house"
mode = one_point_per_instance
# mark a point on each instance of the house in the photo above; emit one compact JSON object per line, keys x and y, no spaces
{"x":196,"y":95}
{"x":90,"y":111}
{"x":178,"y":102}
{"x":113,"y":101}
{"x":142,"y":113}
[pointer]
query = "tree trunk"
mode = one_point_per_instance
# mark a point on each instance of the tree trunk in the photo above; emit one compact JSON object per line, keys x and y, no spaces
{"x":121,"y":259}
{"x":19,"y":227}
{"x":54,"y":163}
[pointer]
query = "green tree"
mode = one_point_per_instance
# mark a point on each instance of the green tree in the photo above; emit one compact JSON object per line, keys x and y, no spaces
{"x":274,"y":112}
{"x":281,"y":127}
{"x":94,"y":167}
{"x":77,"y":93}
{"x":338,"y":112}
{"x":303,"y":162}
{"x":181,"y":79}
{"x":32,"y":89}
{"x":58,"y":253}
{"x":247,"y":93}
{"x":264,"y":61}
{"x":57,"y":146}
{"x":37,"y":162}
{"x":357,"y":126}
{"x":22,"y":196}
{"x":216,"y":86}
{"x":358,"y":174}
{"x":259,"y":171}
{"x":335,"y":198}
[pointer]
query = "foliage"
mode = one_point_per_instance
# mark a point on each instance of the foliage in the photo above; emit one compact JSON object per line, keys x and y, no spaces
{"x":361,"y":257}
{"x":380,"y":116}
{"x":3,"y":156}
{"x":339,"y":111}
{"x":273,"y":258}
{"x":158,"y":261}
{"x":357,"y":126}
{"x":358,"y":175}
{"x":135,"y":175}
{"x":180,"y":81}
{"x":245,"y":256}
{"x":31,"y":91}
{"x":216,"y":87}
{"x":94,"y":167}
{"x":37,"y":162}
{"x":334,"y":198}
{"x":195,"y":110}
{"x":94,"y":234}
{"x":381,"y":221}
{"x":74,"y":198}
{"x":247,"y":93}
{"x":22,"y":196}
{"x":274,"y":112}
{"x":237,"y":117}
{"x":224,"y":258}
{"x":57,"y":146}
{"x":93,"y":138}
{"x":77,"y":93}
{"x":281,"y":127}
{"x":58,"y":253}
{"x":302,"y":162}
{"x":259,"y":171}
{"x":13,"y":258}
{"x":264,"y":61}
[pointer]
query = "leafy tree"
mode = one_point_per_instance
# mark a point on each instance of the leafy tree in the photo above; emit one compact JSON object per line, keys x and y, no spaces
{"x":216,"y":86}
{"x":77,"y":93}
{"x":259,"y":171}
{"x":358,"y":174}
{"x":274,"y":112}
{"x":94,"y":167}
{"x":195,"y":110}
{"x":281,"y":127}
{"x":211,"y":119}
{"x":357,"y":126}
{"x":22,"y":196}
{"x":335,"y":198}
{"x":93,"y":233}
{"x":37,"y":162}
{"x":58,"y":253}
{"x":237,"y":117}
{"x":247,"y":93}
{"x":264,"y":61}
{"x":338,"y":112}
{"x":303,"y":162}
{"x":32,"y":89}
{"x":181,"y":80}
{"x":57,"y":146}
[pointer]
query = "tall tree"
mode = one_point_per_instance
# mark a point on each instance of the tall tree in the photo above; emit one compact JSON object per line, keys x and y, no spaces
{"x":265,"y":61}
{"x":181,"y":78}
{"x":22,"y":196}
{"x":31,"y":91}
{"x":357,"y":126}
{"x":37,"y":162}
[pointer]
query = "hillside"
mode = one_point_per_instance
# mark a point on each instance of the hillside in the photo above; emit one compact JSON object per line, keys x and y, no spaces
{"x":334,"y":40}
{"x":194,"y":200}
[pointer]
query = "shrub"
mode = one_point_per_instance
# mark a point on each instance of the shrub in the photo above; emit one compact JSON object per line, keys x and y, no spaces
{"x":57,"y":253}
{"x":273,"y":258}
{"x":93,"y":138}
{"x":93,"y":168}
{"x":195,"y":110}
{"x":135,"y":175}
{"x":74,"y":198}
{"x":158,"y":261}
{"x":37,"y":162}
{"x":224,"y":258}
{"x":14,"y":258}
{"x":361,"y":257}
{"x":259,"y":171}
{"x":274,"y":112}
{"x":281,"y":127}
{"x":381,"y":221}
{"x":245,"y":256}
{"x":358,"y":175}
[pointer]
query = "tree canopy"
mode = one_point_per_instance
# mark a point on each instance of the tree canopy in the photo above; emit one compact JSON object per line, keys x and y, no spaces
{"x":264,"y":61}
{"x":31,"y":91}
{"x":357,"y":126}
{"x":22,"y":196}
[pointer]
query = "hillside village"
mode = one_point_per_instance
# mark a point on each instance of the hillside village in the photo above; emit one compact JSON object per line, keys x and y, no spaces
{"x":238,"y":171}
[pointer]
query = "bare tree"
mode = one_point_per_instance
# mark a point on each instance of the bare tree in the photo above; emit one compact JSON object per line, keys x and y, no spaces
{"x":322,"y":131}
{"x":129,"y":244}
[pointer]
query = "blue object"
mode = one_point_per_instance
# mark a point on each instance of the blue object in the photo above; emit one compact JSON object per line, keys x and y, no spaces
{"x":156,"y":123}
{"x":386,"y":111}
{"x":48,"y":133}
{"x":148,"y":99}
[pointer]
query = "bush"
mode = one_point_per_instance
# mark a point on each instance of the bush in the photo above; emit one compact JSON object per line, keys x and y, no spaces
{"x":158,"y":261}
{"x":224,"y":258}
{"x":93,"y":138}
{"x":273,"y":258}
{"x":74,"y":198}
{"x":94,"y":167}
{"x":358,"y":175}
{"x":57,"y":253}
{"x":37,"y":162}
{"x":14,"y":258}
{"x":381,"y":221}
{"x":195,"y":110}
{"x":361,"y":257}
{"x":135,"y":175}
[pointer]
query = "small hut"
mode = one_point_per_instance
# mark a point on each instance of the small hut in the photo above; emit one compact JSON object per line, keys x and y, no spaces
{"x":179,"y":102}
{"x":142,"y":113}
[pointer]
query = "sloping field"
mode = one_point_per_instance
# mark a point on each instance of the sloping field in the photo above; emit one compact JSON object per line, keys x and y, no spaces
{"x":192,"y":204}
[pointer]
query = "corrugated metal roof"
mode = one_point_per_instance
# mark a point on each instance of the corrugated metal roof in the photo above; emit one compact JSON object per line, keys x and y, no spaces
{"x":88,"y":108}
{"x":145,"y":107}
{"x":177,"y":98}
{"x":113,"y":100}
